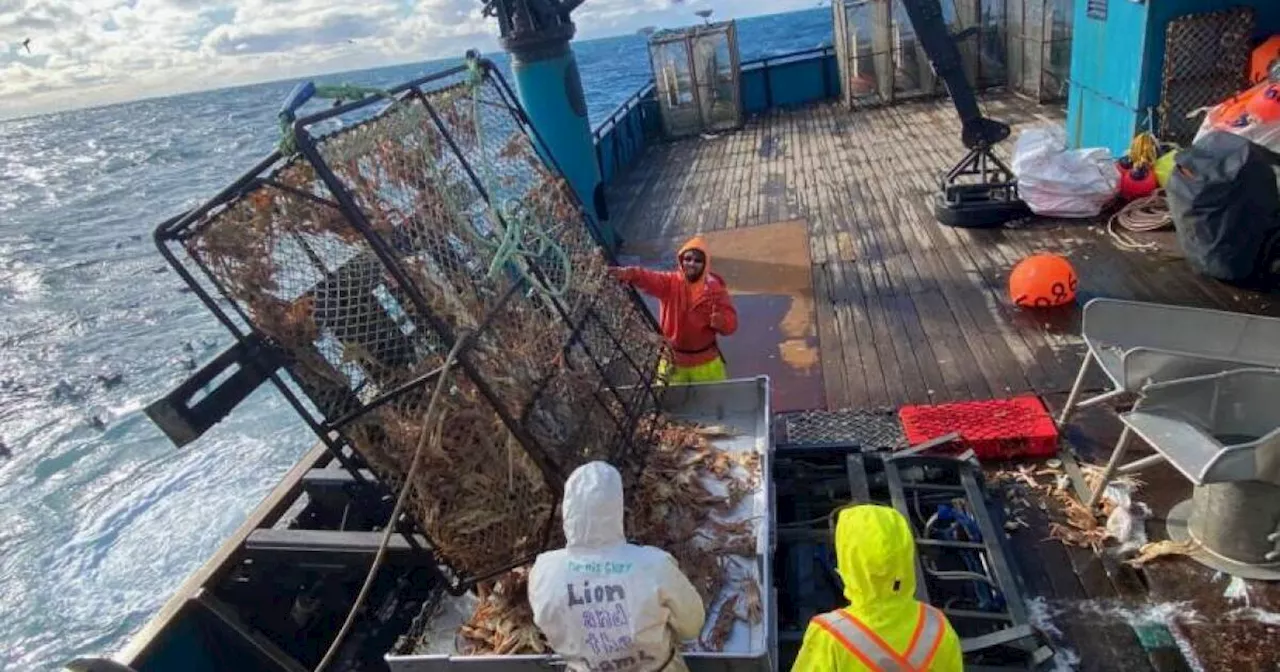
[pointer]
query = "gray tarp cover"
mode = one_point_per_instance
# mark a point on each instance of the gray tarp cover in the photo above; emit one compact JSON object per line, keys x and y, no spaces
{"x":1225,"y":203}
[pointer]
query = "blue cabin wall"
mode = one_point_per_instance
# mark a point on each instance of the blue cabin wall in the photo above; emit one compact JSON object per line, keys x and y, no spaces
{"x":1117,"y":64}
{"x":1106,"y":75}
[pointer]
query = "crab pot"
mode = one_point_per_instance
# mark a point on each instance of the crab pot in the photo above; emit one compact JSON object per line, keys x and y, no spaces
{"x":881,"y":62}
{"x":697,"y":71}
{"x":405,"y":228}
{"x":1039,"y":48}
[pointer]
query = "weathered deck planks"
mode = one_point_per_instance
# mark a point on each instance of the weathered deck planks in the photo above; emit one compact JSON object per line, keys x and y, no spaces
{"x":908,"y":311}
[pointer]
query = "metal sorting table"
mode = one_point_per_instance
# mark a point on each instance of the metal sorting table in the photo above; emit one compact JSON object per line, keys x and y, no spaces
{"x":741,"y":405}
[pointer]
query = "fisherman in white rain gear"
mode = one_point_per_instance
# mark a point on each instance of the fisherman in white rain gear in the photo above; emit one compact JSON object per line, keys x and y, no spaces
{"x":605,"y":604}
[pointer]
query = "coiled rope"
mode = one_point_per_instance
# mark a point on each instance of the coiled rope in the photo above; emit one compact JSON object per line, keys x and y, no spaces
{"x":1141,"y":215}
{"x":1145,"y":214}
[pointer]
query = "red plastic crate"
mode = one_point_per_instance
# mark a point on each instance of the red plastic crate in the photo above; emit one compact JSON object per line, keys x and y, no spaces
{"x":996,"y":429}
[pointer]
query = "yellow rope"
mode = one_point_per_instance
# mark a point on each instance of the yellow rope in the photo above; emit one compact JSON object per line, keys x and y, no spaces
{"x":428,"y":435}
{"x":1143,"y":150}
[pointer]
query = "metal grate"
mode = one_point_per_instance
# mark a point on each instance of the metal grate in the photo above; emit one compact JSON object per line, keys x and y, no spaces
{"x":872,"y":430}
{"x":389,"y":239}
{"x":1206,"y":60}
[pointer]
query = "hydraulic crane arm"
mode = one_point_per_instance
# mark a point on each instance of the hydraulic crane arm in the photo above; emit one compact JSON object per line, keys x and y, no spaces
{"x":992,"y":198}
{"x":531,"y":20}
{"x":932,"y":34}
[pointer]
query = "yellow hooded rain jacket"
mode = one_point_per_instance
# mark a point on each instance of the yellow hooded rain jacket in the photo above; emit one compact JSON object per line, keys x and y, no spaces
{"x":884,"y":628}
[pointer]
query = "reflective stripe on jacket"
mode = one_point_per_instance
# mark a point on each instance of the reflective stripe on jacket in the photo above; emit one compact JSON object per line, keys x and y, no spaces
{"x":875,"y":556}
{"x":877,"y":655}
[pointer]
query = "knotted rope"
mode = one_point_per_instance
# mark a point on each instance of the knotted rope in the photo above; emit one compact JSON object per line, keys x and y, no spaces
{"x":519,"y":224}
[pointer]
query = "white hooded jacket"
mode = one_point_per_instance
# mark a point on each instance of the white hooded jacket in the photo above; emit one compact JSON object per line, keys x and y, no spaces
{"x":605,"y":604}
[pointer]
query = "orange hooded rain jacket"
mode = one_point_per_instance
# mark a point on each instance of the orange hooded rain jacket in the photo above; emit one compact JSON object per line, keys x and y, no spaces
{"x":690,"y":314}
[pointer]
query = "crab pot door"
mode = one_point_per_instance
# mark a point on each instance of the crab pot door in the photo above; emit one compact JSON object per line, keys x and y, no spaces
{"x":696,"y":72}
{"x":864,"y":51}
{"x":881,"y":61}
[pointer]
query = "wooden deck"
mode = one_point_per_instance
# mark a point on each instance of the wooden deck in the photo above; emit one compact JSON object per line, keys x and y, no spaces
{"x":907,"y":311}
{"x":904,"y":311}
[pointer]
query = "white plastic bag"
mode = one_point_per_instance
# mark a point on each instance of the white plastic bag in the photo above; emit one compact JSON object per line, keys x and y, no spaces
{"x":1056,"y":182}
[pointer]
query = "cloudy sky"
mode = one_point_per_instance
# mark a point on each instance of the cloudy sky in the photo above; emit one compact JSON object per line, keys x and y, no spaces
{"x":88,"y":52}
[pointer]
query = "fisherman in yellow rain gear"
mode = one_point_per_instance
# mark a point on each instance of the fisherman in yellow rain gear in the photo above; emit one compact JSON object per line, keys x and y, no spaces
{"x":884,"y":628}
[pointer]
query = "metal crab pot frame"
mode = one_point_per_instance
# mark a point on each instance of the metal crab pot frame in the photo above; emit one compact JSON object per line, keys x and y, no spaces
{"x":697,"y":73}
{"x":357,"y":265}
{"x":1039,"y":47}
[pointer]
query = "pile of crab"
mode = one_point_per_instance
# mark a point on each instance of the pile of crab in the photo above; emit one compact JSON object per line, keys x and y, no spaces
{"x":687,"y":502}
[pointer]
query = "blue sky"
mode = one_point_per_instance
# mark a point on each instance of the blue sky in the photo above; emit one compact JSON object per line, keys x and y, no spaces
{"x":89,"y":52}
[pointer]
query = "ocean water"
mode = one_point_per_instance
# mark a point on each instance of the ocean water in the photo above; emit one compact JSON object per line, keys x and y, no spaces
{"x":100,"y":516}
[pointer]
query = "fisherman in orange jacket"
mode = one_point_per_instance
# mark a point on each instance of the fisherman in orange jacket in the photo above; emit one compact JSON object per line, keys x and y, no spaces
{"x":694,"y":308}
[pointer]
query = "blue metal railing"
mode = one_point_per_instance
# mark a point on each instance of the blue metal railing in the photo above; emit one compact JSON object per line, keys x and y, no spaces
{"x":623,"y":136}
{"x":789,"y":80}
{"x":786,"y":80}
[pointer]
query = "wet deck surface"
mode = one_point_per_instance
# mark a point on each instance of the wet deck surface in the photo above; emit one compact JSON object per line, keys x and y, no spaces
{"x":767,"y":269}
{"x":907,"y":311}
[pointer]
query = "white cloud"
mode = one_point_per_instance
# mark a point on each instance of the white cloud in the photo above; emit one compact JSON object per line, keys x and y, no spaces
{"x":87,"y":52}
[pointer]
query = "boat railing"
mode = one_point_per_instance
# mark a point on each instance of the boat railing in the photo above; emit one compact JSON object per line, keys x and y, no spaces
{"x":790,"y":80}
{"x":623,"y":136}
{"x":785,"y":80}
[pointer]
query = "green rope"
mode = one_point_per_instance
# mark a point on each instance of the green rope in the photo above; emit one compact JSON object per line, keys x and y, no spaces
{"x":350,"y":92}
{"x":288,"y":145}
{"x":518,"y":221}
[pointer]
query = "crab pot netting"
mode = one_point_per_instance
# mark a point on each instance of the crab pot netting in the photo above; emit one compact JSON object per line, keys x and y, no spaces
{"x":366,"y":300}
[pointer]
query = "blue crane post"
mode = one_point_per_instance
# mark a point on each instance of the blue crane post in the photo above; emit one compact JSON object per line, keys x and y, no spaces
{"x":537,"y":33}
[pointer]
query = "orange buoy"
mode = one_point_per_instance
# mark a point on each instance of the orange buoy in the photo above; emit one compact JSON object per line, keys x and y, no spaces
{"x":1043,"y":281}
{"x":1265,"y":106}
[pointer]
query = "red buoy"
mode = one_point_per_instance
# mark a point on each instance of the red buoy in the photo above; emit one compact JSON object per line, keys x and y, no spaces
{"x":1138,"y":182}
